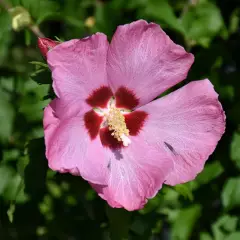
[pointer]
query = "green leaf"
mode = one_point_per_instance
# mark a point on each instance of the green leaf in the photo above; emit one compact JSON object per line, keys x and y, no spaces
{"x":231,"y":193}
{"x":15,"y":190}
{"x":205,"y":236}
{"x":233,"y":236}
{"x":5,"y":34}
{"x":163,"y":12}
{"x":235,"y":149}
{"x":42,"y":75}
{"x":32,"y":104}
{"x":6,"y":115}
{"x":184,"y":224}
{"x":39,"y":64}
{"x":234,"y":21}
{"x":184,"y":190}
{"x":54,"y":189}
{"x":103,"y":13}
{"x":225,"y":224}
{"x":201,"y":23}
{"x":6,"y":174}
{"x":21,"y":165}
{"x":10,"y":155}
{"x":210,"y":172}
{"x":59,"y":39}
{"x":10,"y":212}
{"x":119,"y":221}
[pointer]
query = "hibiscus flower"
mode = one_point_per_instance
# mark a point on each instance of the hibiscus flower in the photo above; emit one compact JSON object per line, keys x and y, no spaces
{"x":105,"y":125}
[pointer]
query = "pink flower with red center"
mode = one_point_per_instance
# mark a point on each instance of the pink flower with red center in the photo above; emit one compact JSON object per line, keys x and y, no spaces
{"x":105,"y":127}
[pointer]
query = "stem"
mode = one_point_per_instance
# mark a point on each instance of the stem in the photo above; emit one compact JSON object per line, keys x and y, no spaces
{"x":33,"y":28}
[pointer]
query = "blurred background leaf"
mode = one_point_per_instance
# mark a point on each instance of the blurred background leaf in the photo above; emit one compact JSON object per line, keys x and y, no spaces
{"x":201,"y":22}
{"x":231,"y":193}
{"x":185,"y":221}
{"x":235,"y":149}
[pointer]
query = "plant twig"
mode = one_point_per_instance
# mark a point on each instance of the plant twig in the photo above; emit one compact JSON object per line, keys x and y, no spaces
{"x":36,"y":30}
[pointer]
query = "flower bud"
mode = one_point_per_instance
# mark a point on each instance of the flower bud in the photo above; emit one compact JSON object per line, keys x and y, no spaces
{"x":90,"y":22}
{"x":20,"y":18}
{"x":46,"y":44}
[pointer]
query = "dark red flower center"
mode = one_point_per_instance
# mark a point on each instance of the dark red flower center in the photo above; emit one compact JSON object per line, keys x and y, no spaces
{"x":95,"y":120}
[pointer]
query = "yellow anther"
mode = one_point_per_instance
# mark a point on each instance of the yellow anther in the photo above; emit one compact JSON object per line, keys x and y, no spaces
{"x":116,"y":123}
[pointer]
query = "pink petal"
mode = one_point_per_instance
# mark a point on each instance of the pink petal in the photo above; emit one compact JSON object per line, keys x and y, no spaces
{"x":136,"y":174}
{"x":100,"y":189}
{"x":79,"y":67}
{"x":65,"y":108}
{"x":143,"y":59}
{"x":70,"y":149}
{"x":189,"y":122}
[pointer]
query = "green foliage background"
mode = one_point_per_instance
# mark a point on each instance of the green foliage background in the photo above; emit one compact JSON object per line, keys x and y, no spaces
{"x":36,"y":203}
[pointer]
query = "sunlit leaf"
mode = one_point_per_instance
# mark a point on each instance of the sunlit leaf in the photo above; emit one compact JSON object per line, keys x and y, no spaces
{"x":184,"y":190}
{"x":234,"y":21}
{"x":54,"y":189}
{"x":10,"y":155}
{"x":15,"y":190}
{"x":225,"y":224}
{"x":40,"y":64}
{"x":231,"y":193}
{"x":205,"y":236}
{"x":202,"y":22}
{"x":185,"y":222}
{"x":10,"y":212}
{"x":32,"y":104}
{"x":210,"y":172}
{"x":233,"y":236}
{"x":162,"y":11}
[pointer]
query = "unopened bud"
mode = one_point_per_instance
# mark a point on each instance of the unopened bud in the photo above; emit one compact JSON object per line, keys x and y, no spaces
{"x":90,"y":22}
{"x":20,"y":18}
{"x":46,"y":44}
